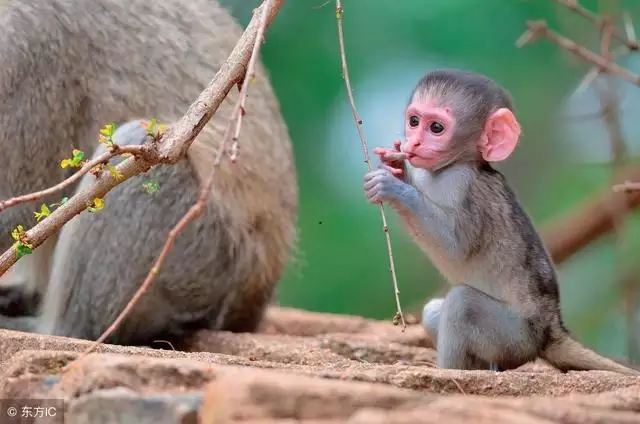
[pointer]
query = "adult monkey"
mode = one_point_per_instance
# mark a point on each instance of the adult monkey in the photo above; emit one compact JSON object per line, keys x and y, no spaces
{"x":68,"y":67}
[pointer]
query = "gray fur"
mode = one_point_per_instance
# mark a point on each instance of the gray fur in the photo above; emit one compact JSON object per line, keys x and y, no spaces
{"x":504,"y":308}
{"x":68,"y":67}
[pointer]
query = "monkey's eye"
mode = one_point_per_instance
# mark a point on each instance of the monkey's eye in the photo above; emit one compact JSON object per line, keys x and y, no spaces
{"x":436,"y":127}
{"x":414,"y":121}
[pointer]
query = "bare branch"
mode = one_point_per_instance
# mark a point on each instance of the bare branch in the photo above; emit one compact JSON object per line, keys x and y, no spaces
{"x":140,"y":151}
{"x":172,"y":146}
{"x":250,"y":75}
{"x":540,"y":29}
{"x":595,"y":71}
{"x":626,"y":186}
{"x":611,"y":115}
{"x":267,"y":10}
{"x":599,"y":22}
{"x":589,"y":220}
{"x":365,"y":151}
{"x":628,"y":26}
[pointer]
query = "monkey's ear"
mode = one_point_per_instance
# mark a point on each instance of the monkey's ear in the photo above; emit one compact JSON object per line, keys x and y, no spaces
{"x":500,"y":136}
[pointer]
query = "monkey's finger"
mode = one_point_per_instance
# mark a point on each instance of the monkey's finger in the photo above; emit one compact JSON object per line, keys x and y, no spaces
{"x":368,"y":185}
{"x":396,"y":145}
{"x":394,"y":171}
{"x":373,"y":174}
{"x":371,"y":183}
{"x":373,"y":197}
{"x":380,"y":151}
{"x":391,"y":156}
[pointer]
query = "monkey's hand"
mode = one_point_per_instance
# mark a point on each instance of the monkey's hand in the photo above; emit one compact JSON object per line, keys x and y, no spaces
{"x":392,"y":159}
{"x":381,"y":185}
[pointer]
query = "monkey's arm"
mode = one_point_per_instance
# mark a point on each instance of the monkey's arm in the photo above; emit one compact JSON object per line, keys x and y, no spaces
{"x":421,"y":214}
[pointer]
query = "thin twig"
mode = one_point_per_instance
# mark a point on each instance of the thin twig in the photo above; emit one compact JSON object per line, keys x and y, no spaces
{"x":626,"y":186}
{"x":172,"y":146}
{"x":598,"y":22}
{"x":628,"y":26}
{"x":197,"y":209}
{"x":595,"y":71}
{"x":611,"y":116}
{"x":241,"y":111}
{"x":365,"y":151}
{"x":540,"y":29}
{"x":617,"y":208}
{"x":591,"y":219}
{"x":103,"y":158}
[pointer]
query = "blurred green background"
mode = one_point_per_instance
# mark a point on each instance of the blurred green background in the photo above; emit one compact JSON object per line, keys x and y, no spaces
{"x":563,"y":157}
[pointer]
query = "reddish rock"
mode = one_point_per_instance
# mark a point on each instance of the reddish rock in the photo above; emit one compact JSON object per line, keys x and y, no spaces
{"x":302,"y":367}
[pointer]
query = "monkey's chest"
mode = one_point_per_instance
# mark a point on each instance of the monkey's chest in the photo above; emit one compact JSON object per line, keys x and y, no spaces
{"x":460,"y":270}
{"x":455,"y":270}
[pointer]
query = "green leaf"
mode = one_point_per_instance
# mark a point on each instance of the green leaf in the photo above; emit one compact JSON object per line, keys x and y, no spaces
{"x":108,"y":130}
{"x":78,"y":156}
{"x":17,"y":232}
{"x":115,"y":172}
{"x":44,"y":212}
{"x":150,"y":186}
{"x":75,"y":161}
{"x":22,"y":250}
{"x":96,"y":206}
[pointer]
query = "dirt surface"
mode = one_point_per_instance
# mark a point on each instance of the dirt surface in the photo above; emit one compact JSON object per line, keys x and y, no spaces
{"x":301,"y":368}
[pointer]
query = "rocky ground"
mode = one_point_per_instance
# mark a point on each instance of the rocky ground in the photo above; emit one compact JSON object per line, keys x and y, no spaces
{"x":301,"y":368}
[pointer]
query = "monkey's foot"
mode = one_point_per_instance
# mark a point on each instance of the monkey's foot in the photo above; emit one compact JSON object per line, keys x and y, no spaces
{"x":496,"y":367}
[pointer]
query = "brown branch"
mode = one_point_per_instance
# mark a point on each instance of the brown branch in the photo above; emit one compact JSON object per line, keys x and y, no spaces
{"x":540,"y":29}
{"x":594,"y":217}
{"x":75,"y":205}
{"x":628,"y":25}
{"x":608,"y":30}
{"x":173,"y":145}
{"x":140,"y":151}
{"x":240,"y":109}
{"x":595,"y":71}
{"x":590,"y":220}
{"x":626,"y":186}
{"x":261,"y":19}
{"x":611,"y":116}
{"x":599,"y":22}
{"x":365,"y":152}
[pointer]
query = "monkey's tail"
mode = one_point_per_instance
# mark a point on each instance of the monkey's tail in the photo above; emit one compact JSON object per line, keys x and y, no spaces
{"x":567,"y":354}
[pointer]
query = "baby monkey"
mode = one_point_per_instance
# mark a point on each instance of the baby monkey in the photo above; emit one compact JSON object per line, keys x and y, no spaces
{"x":504,"y":307}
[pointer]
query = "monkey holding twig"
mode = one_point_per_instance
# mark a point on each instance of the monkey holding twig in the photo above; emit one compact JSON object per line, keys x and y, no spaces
{"x":67,"y":68}
{"x":504,"y":307}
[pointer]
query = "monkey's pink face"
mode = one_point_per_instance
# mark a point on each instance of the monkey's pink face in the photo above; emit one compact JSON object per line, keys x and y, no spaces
{"x":429,"y":129}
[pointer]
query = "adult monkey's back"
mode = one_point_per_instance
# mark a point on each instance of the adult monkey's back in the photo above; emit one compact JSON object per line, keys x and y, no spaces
{"x":68,"y":67}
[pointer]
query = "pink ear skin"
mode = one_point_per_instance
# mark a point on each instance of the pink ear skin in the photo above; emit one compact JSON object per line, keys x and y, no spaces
{"x":500,"y":136}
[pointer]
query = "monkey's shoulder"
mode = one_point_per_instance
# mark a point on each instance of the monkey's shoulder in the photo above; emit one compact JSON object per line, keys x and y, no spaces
{"x":491,"y":190}
{"x":512,"y":228}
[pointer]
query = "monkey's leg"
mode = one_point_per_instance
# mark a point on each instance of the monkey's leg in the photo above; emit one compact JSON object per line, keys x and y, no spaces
{"x":474,"y":326}
{"x":431,"y":318}
{"x":430,"y":323}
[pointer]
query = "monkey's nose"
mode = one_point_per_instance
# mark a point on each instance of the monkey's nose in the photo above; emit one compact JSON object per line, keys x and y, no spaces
{"x":410,"y":146}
